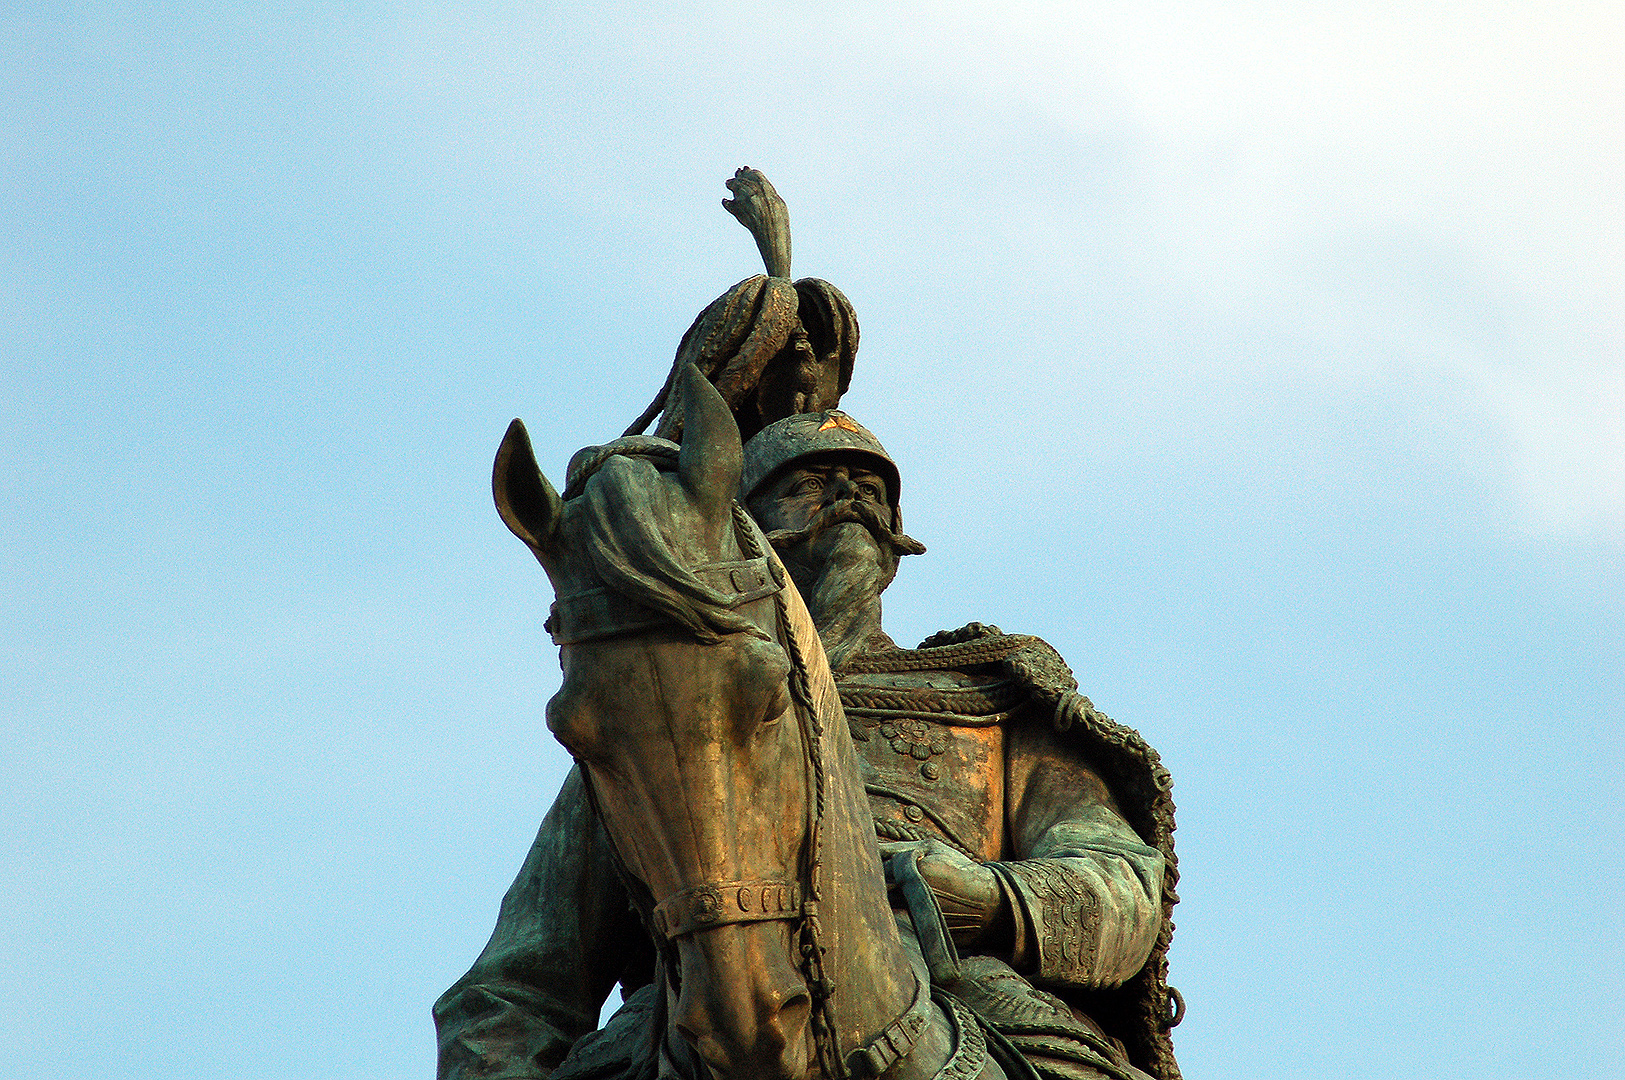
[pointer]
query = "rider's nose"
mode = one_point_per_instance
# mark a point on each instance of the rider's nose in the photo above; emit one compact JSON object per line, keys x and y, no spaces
{"x":840,"y":489}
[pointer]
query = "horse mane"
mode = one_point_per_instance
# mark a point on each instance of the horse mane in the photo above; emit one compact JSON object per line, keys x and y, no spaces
{"x":805,"y":643}
{"x":618,"y":512}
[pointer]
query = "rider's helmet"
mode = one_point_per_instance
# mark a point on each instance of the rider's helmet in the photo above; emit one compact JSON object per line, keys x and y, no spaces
{"x":805,"y":435}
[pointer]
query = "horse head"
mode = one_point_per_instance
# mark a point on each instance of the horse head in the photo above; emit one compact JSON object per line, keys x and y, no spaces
{"x":676,"y":702}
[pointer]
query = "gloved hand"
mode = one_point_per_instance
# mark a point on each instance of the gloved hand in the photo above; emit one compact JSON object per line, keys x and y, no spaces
{"x":967,"y":892}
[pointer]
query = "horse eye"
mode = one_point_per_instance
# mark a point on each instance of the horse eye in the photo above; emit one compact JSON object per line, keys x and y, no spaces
{"x":778,"y":704}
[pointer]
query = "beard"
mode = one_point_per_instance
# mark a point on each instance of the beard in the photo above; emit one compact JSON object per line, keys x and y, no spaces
{"x":847,"y":540}
{"x":840,"y":574}
{"x":841,"y":562}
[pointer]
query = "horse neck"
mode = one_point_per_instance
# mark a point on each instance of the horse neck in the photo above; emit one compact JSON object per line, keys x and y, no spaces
{"x":865,"y":956}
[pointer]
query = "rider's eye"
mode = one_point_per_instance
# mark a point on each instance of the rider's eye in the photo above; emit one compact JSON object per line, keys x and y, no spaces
{"x":809,"y":486}
{"x":869,"y":491}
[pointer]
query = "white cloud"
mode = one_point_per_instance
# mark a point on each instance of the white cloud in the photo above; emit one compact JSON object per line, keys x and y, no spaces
{"x":1489,"y":133}
{"x":1433,"y":186}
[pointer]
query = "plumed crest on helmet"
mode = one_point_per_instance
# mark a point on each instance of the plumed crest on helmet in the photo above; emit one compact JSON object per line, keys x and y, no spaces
{"x":830,"y":322}
{"x":771,"y":347}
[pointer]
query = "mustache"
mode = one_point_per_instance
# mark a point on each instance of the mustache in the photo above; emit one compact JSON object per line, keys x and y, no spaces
{"x":865,"y":514}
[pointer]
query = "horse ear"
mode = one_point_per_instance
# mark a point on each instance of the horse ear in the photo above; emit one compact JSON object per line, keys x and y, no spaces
{"x":527,"y":502}
{"x":711,"y":458}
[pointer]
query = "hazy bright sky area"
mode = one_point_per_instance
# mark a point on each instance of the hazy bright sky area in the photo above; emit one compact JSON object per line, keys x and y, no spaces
{"x":1266,"y":358}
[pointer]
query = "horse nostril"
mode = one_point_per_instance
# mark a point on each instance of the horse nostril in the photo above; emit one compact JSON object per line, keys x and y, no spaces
{"x":706,"y":1046}
{"x":794,"y":1014}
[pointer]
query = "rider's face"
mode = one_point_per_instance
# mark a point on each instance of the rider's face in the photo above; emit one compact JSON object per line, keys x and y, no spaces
{"x":793,"y":499}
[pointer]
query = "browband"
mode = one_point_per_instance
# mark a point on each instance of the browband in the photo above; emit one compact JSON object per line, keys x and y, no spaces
{"x":603,"y":612}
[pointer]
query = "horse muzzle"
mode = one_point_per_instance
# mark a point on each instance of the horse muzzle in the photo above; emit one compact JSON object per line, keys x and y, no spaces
{"x":743,"y":1004}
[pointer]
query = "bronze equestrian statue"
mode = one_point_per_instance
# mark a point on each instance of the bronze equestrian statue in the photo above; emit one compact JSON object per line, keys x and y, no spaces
{"x":801,"y":850}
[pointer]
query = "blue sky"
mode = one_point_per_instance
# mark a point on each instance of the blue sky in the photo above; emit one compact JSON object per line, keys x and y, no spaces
{"x":1267,"y":358}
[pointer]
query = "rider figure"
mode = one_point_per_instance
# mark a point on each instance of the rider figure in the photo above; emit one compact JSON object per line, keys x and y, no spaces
{"x":984,"y":768}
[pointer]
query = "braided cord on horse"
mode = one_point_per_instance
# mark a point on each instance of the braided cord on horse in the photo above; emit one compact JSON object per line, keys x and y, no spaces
{"x":826,"y":1036}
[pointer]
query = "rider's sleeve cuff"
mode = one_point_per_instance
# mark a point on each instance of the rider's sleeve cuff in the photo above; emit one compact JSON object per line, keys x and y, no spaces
{"x":1057,"y":919}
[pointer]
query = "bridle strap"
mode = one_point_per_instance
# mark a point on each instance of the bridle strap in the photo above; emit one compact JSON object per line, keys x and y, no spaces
{"x":721,"y":903}
{"x":896,"y":1039}
{"x":602,"y":612}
